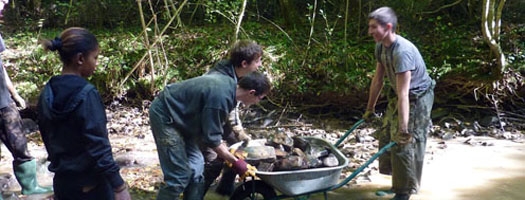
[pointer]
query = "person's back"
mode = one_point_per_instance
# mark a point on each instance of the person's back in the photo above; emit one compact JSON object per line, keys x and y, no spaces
{"x":188,"y":102}
{"x":244,"y":57}
{"x":189,"y":115}
{"x":72,"y":123}
{"x":68,"y":106}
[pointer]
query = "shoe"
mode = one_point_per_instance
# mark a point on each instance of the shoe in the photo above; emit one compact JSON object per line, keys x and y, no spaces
{"x":401,"y":197}
{"x":384,"y":192}
{"x":412,"y":191}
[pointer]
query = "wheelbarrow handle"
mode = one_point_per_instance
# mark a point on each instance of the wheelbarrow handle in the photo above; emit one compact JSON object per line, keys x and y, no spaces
{"x":357,"y":124}
{"x":368,"y":162}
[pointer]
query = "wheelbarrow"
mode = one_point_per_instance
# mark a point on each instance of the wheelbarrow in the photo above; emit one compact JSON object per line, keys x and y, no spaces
{"x":300,"y":184}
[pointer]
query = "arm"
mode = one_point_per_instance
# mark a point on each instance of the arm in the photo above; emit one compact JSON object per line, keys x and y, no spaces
{"x":222,"y":151}
{"x":97,"y":145}
{"x":402,"y":90}
{"x":238,"y":165}
{"x":375,"y":87}
{"x":236,"y":124}
{"x":212,"y":130}
{"x":9,"y":84}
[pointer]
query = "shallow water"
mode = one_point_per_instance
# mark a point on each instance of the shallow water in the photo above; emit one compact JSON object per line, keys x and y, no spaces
{"x":457,"y":172}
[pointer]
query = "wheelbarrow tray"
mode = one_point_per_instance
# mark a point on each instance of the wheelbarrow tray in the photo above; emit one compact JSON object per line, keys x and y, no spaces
{"x":297,"y":182}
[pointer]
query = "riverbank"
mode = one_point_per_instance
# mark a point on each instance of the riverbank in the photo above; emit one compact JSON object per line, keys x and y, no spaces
{"x":475,"y":168}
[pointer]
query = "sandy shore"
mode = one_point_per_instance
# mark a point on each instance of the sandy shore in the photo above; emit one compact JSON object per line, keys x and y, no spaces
{"x":490,"y":169}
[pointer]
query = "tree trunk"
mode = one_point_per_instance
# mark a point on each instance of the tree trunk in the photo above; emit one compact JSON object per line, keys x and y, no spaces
{"x":491,"y":26}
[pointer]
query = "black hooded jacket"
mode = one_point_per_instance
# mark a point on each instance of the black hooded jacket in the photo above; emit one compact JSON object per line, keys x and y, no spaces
{"x":72,"y":122}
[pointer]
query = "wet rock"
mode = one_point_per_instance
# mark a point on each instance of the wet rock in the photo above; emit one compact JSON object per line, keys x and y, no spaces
{"x":314,"y":162}
{"x":489,"y":121}
{"x":265,"y":166}
{"x":317,"y":151}
{"x":468,"y":132}
{"x":5,"y":181}
{"x":290,"y":163}
{"x":301,"y":143}
{"x":298,"y":152}
{"x":126,"y":160}
{"x":473,"y":142}
{"x":261,"y":153}
{"x":281,"y":140}
{"x":441,"y":145}
{"x":485,"y":143}
{"x":279,"y":153}
{"x":448,"y":136}
{"x":365,"y":138}
{"x":330,"y":161}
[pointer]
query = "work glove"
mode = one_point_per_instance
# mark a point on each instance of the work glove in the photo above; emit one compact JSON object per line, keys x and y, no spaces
{"x":372,"y":118}
{"x":403,"y":138}
{"x":243,"y":169}
{"x":240,"y":133}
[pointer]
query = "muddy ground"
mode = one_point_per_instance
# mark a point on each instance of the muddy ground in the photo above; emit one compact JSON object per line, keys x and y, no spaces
{"x":457,"y":167}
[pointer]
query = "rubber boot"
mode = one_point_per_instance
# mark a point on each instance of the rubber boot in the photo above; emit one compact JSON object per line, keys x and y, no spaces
{"x":25,"y":173}
{"x":194,"y":191}
{"x":226,"y":184}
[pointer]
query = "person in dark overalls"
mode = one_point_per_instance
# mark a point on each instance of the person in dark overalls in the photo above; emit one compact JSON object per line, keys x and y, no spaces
{"x":407,"y":119}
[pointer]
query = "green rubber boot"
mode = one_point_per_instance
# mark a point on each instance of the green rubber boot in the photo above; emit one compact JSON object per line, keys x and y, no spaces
{"x":25,"y":173}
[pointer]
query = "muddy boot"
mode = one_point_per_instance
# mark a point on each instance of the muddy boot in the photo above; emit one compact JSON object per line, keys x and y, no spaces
{"x":194,"y":191}
{"x":226,"y":183}
{"x":25,"y":173}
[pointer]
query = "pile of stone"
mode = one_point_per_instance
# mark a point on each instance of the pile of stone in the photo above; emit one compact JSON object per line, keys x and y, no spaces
{"x":283,"y":153}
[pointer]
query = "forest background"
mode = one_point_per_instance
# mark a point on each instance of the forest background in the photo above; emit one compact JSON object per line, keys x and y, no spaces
{"x":317,"y":52}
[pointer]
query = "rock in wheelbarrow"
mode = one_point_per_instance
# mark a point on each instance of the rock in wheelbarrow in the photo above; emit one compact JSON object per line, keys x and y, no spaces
{"x":292,"y":162}
{"x":330,"y":161}
{"x":257,"y":154}
{"x":281,"y":140}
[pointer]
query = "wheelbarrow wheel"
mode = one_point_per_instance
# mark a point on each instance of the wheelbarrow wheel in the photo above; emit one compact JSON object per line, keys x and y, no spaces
{"x":252,"y":190}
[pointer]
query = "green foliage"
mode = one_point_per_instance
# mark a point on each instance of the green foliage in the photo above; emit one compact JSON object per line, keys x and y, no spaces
{"x":64,"y":13}
{"x":447,"y":47}
{"x":221,"y":9}
{"x":28,"y":64}
{"x":327,"y":67}
{"x":119,"y":53}
{"x":513,"y":43}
